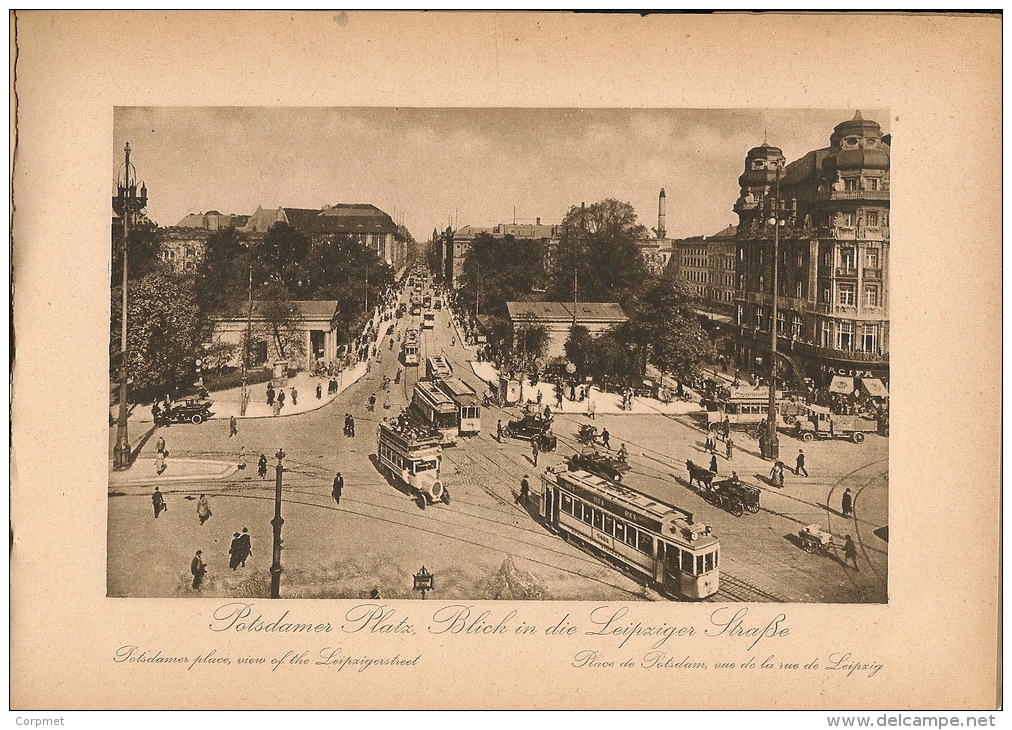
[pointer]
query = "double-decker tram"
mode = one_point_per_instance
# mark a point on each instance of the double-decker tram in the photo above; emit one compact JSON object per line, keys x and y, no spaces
{"x":433,"y":408}
{"x":411,"y":348}
{"x":656,"y":540}
{"x":412,"y":456}
{"x":437,"y":367}
{"x":466,"y":402}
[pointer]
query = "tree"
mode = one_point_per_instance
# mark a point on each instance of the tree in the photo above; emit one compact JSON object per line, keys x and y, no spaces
{"x":165,"y":331}
{"x":496,"y":271}
{"x":580,"y":349}
{"x":142,"y":254}
{"x":283,"y":257}
{"x":530,"y":341}
{"x":350,"y":272}
{"x":599,"y":243}
{"x":282,"y":319}
{"x":222,"y":281}
{"x":665,"y":330}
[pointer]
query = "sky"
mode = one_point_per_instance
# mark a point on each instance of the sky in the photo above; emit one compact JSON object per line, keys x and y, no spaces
{"x":429,"y":168}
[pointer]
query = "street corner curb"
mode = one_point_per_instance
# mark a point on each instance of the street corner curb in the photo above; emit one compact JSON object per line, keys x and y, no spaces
{"x":225,"y":469}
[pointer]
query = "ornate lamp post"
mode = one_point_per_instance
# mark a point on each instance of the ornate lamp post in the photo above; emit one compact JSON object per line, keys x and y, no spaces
{"x":772,"y":442}
{"x":276,"y":523}
{"x":423,"y":581}
{"x":126,"y":203}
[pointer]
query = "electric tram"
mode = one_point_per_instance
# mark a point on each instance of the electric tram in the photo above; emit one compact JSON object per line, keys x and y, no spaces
{"x":436,"y":410}
{"x":411,"y":347}
{"x":653,"y":539}
{"x":412,"y":457}
{"x":437,"y":367}
{"x":466,"y":402}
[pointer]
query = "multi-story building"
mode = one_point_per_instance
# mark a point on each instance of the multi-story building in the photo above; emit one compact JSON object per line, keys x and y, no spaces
{"x":707,"y":265}
{"x":452,"y":245}
{"x":833,"y":267}
{"x":361,"y":221}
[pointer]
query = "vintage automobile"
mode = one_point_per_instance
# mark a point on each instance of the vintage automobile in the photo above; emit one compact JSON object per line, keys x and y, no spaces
{"x":820,"y":423}
{"x":190,"y":410}
{"x":734,"y":495}
{"x":535,"y":428}
{"x":600,"y":464}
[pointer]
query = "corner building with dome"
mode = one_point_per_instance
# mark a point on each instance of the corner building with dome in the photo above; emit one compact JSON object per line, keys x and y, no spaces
{"x":833,"y":270}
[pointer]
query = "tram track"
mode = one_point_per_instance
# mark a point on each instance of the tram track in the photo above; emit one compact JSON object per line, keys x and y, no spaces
{"x":739,"y":590}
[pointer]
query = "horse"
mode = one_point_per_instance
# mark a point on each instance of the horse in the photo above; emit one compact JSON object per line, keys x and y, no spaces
{"x":701,"y":475}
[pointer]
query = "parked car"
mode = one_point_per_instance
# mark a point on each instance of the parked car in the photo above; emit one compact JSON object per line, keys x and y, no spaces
{"x":533,"y":427}
{"x":188,"y":411}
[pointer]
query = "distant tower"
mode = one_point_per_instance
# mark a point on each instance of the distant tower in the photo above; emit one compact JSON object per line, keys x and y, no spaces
{"x":661,"y":203}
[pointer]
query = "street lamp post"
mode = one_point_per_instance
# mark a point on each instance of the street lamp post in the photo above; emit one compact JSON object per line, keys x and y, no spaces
{"x":772,"y":442}
{"x":124,"y":203}
{"x":276,"y":523}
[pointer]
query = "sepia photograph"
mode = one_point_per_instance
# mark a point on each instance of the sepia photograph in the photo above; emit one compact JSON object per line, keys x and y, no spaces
{"x":499,"y":354}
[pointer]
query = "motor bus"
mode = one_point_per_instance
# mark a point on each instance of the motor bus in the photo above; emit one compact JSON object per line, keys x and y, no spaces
{"x":466,"y":402}
{"x":658,"y":541}
{"x":437,"y":367}
{"x":742,"y":406}
{"x":412,"y":457}
{"x":428,"y":320}
{"x":435,"y":409}
{"x":411,"y":347}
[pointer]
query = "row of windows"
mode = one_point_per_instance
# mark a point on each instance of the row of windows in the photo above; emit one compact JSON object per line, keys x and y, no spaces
{"x":847,"y":295}
{"x":637,"y":538}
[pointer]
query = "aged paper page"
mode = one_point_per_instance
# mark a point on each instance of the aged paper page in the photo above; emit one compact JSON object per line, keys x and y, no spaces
{"x":96,"y":620}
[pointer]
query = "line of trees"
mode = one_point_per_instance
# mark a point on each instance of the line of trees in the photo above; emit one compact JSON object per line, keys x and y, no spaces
{"x":169,"y":315}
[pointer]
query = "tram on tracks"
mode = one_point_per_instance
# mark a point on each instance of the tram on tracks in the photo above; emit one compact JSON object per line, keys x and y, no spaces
{"x":412,"y":457}
{"x":466,"y":402}
{"x":659,"y":541}
{"x":435,"y":409}
{"x":411,"y":349}
{"x":437,"y":367}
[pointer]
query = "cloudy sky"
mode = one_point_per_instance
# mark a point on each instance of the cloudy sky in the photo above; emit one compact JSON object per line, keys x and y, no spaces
{"x":428,"y":166}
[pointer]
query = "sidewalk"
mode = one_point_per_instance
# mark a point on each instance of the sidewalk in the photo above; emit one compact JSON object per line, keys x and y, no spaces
{"x":176,"y":470}
{"x":604,"y":403}
{"x":226,"y":403}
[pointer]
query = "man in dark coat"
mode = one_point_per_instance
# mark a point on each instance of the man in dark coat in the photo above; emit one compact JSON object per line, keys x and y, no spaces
{"x":197,"y":568}
{"x":270,"y":394}
{"x":262,"y":466}
{"x":245,"y":547}
{"x":847,"y":503}
{"x":233,"y":552}
{"x":850,"y":552}
{"x":606,"y":438}
{"x":338,"y":487}
{"x":800,"y":464}
{"x":498,"y":430}
{"x":713,"y":463}
{"x":525,"y":490}
{"x":158,"y":501}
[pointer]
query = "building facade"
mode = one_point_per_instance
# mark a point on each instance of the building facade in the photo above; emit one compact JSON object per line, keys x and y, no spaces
{"x":315,"y":339}
{"x":452,"y":246}
{"x":558,"y":318}
{"x":833,"y":264}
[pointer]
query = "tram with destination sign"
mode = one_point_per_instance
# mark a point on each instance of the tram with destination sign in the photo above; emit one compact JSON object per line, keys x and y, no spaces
{"x":437,"y":367}
{"x":435,"y":409}
{"x":411,"y":349}
{"x":659,"y":541}
{"x":466,"y":402}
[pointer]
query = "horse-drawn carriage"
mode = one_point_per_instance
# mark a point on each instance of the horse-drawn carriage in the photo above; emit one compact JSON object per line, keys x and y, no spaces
{"x":731,"y":494}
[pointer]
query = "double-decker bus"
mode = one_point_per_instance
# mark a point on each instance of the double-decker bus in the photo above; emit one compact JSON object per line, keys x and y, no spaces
{"x":662,"y":542}
{"x":466,"y":402}
{"x":437,"y":367}
{"x":412,"y":457}
{"x":433,"y":408}
{"x":411,"y":348}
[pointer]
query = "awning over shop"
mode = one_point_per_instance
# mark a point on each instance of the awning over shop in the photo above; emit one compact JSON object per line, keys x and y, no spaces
{"x":875,"y":387}
{"x":841,"y":384}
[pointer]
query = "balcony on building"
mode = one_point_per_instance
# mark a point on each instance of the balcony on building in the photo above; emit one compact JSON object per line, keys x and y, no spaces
{"x":853,"y":195}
